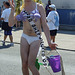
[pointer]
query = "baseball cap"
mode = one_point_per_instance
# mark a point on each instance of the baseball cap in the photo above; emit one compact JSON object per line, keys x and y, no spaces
{"x":52,"y":6}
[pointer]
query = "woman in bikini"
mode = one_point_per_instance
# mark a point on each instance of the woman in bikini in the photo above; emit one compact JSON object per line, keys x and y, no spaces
{"x":30,"y":43}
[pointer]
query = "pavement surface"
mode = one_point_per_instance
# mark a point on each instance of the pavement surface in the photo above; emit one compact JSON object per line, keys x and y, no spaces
{"x":10,"y":61}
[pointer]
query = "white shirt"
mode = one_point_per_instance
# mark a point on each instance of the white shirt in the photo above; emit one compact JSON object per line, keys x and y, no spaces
{"x":5,"y":14}
{"x":51,"y":20}
{"x":3,"y":8}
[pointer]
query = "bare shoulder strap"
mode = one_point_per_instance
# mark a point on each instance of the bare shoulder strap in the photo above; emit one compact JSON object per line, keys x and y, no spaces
{"x":36,"y":6}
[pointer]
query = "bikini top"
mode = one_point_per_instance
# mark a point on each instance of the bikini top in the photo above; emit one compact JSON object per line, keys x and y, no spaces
{"x":24,"y":15}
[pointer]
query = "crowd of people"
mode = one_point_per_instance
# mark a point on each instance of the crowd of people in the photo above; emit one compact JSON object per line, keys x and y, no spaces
{"x":29,"y":40}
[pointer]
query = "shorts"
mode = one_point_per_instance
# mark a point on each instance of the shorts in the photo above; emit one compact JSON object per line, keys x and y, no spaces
{"x":53,"y":32}
{"x":8,"y":32}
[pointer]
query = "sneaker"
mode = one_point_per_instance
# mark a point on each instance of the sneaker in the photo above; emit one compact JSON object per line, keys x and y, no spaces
{"x":3,"y":43}
{"x":12,"y":44}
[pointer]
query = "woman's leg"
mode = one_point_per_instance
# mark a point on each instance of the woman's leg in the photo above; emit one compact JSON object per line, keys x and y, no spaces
{"x":34,"y":48}
{"x":24,"y":50}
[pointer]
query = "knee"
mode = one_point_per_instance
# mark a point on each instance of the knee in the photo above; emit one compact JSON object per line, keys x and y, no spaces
{"x":31,"y":64}
{"x":24,"y":65}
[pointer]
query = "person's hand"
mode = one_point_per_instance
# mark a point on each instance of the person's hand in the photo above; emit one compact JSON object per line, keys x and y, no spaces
{"x":12,"y":4}
{"x":53,"y":46}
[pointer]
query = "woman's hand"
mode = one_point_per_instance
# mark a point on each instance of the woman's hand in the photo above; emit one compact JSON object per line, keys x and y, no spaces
{"x":12,"y":4}
{"x":53,"y":46}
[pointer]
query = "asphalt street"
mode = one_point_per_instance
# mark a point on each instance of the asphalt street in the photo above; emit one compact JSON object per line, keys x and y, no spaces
{"x":10,"y":61}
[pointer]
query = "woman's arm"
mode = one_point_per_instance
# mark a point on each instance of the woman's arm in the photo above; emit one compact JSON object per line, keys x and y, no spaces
{"x":44,"y":23}
{"x":45,"y":27}
{"x":12,"y":19}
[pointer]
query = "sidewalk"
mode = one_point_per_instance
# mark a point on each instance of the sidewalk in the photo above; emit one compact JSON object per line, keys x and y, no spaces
{"x":64,"y":39}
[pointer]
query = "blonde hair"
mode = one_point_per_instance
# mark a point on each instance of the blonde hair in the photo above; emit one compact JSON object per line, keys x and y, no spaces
{"x":38,"y":1}
{"x":20,"y":8}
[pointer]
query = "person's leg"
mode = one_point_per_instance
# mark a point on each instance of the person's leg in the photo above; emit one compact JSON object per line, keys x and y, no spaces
{"x":53,"y":33}
{"x":24,"y":50}
{"x":11,"y":38}
{"x":5,"y":36}
{"x":34,"y":48}
{"x":53,"y":38}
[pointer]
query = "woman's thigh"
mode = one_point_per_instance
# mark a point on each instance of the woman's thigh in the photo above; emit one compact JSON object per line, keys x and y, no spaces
{"x":34,"y":48}
{"x":24,"y":50}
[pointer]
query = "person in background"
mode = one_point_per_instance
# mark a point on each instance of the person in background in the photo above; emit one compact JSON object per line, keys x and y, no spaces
{"x":5,"y":17}
{"x":51,"y":20}
{"x":3,"y":7}
{"x":47,"y":8}
{"x":18,"y":24}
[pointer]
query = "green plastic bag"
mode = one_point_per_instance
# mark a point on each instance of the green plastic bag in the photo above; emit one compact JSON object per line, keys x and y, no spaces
{"x":37,"y":64}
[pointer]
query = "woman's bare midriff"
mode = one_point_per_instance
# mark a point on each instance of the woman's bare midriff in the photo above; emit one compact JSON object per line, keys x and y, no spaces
{"x":27,"y":28}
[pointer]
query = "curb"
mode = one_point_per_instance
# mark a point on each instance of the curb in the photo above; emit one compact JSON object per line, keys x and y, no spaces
{"x":67,"y":27}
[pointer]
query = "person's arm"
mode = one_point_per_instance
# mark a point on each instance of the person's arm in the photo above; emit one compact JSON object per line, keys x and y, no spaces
{"x":1,"y":18}
{"x":3,"y":15}
{"x":46,"y":8}
{"x":49,"y":17}
{"x":45,"y":26}
{"x":12,"y":19}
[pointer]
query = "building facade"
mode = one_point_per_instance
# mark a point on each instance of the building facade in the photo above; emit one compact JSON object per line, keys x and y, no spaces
{"x":65,"y":8}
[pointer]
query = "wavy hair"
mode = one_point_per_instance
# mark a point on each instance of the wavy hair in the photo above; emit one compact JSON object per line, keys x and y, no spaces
{"x":38,"y":1}
{"x":20,"y":7}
